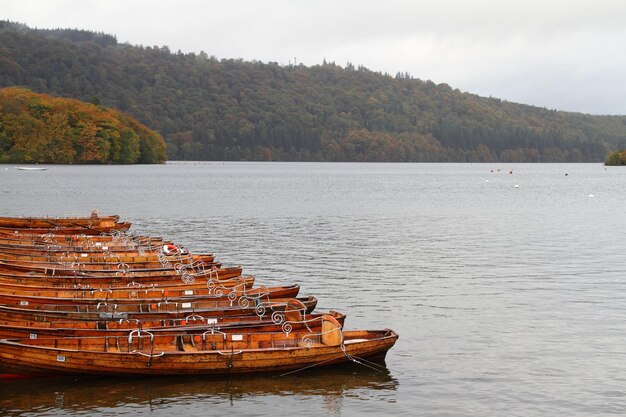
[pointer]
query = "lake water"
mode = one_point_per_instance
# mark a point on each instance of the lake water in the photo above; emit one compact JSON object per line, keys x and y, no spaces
{"x":506,"y":282}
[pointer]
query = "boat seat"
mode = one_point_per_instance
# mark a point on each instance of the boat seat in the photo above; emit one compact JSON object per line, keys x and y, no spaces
{"x":285,"y":343}
{"x":349,"y":341}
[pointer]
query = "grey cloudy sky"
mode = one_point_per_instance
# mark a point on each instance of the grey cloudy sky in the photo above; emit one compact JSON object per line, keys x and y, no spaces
{"x":564,"y":55}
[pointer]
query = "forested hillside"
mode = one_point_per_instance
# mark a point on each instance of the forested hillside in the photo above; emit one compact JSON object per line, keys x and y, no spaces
{"x":37,"y":128}
{"x":213,"y":109}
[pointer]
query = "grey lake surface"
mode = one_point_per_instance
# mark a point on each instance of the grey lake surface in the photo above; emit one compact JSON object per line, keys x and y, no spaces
{"x":506,"y":282}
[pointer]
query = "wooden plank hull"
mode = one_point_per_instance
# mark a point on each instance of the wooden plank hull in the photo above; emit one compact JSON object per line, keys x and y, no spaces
{"x":85,"y":259}
{"x":69,"y":230}
{"x":54,"y":277}
{"x":292,"y":320}
{"x":74,"y":267}
{"x":55,"y":222}
{"x":107,"y":311}
{"x":16,"y":285}
{"x":130,"y":296}
{"x":24,"y":357}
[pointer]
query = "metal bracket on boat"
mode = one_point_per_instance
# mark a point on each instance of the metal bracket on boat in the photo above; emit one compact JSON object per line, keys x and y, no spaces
{"x":213,"y":331}
{"x":148,"y":355}
{"x":230,"y":354}
{"x":193,"y":317}
{"x":75,"y":264}
{"x":129,"y":321}
{"x":260,"y":310}
{"x":187,"y":278}
{"x":138,"y":331}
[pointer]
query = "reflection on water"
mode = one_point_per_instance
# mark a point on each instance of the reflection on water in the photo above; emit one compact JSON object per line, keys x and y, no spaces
{"x":72,"y":396}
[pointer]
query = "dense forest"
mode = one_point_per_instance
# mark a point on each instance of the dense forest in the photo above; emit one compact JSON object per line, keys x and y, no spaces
{"x":616,"y":158}
{"x":37,"y":128}
{"x":213,"y":109}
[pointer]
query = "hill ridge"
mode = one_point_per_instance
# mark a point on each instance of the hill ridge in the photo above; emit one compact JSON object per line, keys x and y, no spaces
{"x":232,"y":109}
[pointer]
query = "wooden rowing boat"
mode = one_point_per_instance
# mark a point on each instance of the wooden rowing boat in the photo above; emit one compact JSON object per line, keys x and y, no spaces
{"x":73,"y":243}
{"x":23,"y":273}
{"x":69,"y":230}
{"x":146,"y":353}
{"x":83,"y":297}
{"x":162,"y":310}
{"x":55,"y":251}
{"x":95,"y":257}
{"x":132,"y":296}
{"x":117,"y":239}
{"x":56,"y":222}
{"x":98,"y":267}
{"x":10,"y":284}
{"x":286,"y":322}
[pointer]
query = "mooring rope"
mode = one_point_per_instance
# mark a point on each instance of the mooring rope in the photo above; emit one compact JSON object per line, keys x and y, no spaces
{"x":307,"y":367}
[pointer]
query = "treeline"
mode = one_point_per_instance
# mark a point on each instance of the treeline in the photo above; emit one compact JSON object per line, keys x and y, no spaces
{"x":36,"y":128}
{"x":616,"y":158}
{"x":213,"y":109}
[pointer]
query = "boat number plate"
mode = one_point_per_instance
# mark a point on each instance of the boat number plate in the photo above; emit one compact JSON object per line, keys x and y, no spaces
{"x":60,"y":358}
{"x":23,"y":303}
{"x":186,"y":305}
{"x":33,"y":336}
{"x":188,"y":292}
{"x":237,"y":337}
{"x":211,"y":321}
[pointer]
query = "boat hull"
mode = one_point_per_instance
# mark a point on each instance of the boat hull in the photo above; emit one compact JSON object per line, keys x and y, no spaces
{"x":26,"y":359}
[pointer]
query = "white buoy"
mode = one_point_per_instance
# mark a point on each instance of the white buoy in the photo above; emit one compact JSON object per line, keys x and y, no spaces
{"x":486,"y":180}
{"x":591,"y":195}
{"x":516,"y":186}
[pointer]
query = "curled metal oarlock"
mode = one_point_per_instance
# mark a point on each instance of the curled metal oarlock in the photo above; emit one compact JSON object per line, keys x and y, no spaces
{"x":287,"y":328}
{"x":278,"y":317}
{"x":307,"y":341}
{"x":260,"y":310}
{"x":187,"y":278}
{"x":242,"y":302}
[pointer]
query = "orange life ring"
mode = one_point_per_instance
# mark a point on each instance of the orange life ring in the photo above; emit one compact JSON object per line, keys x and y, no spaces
{"x":171,"y":249}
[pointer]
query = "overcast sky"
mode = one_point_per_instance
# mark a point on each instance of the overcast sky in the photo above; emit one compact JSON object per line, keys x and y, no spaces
{"x":564,"y":55}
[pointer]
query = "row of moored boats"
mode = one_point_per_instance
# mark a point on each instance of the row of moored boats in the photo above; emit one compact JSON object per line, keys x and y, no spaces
{"x":82,"y":295}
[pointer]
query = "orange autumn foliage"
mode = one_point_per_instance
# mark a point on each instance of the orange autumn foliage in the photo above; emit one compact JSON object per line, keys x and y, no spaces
{"x":37,"y":128}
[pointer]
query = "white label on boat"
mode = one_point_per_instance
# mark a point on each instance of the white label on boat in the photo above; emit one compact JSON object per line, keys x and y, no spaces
{"x":98,"y":243}
{"x":23,"y":303}
{"x":211,"y":321}
{"x":236,"y":337}
{"x":84,"y":255}
{"x":186,"y":305}
{"x":33,"y":336}
{"x":105,"y":248}
{"x":60,"y":358}
{"x":188,"y":292}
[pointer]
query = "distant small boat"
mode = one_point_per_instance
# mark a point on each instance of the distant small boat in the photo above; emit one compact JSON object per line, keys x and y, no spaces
{"x":31,"y":168}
